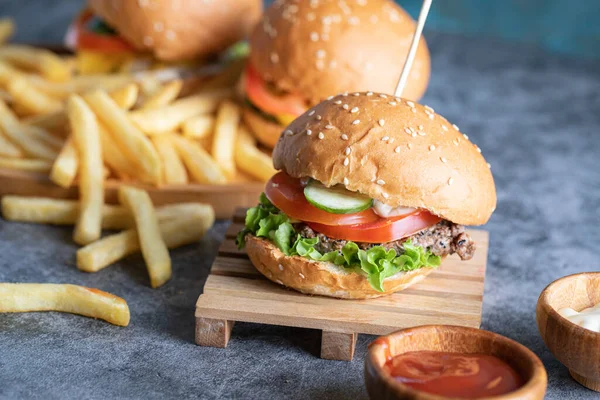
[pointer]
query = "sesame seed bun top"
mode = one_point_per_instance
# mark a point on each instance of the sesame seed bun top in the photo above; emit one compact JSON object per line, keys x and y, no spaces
{"x":392,"y":150}
{"x":318,"y":48}
{"x":180,"y":29}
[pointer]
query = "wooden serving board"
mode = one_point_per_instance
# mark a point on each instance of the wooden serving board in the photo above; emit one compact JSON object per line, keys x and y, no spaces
{"x":236,"y":291}
{"x":224,"y":198}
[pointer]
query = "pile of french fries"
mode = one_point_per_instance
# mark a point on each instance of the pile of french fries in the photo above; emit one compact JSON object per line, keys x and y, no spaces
{"x":147,"y":132}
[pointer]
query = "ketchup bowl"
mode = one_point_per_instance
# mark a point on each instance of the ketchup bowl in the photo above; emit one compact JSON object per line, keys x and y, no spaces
{"x":576,"y":347}
{"x":468,"y":343}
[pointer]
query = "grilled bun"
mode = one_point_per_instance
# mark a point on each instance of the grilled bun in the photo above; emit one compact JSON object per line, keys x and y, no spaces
{"x":266,"y":132}
{"x":180,"y":29}
{"x":392,"y":150}
{"x":322,"y":278}
{"x":323,"y":47}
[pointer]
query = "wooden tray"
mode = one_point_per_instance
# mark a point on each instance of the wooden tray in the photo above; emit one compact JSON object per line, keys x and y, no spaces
{"x":224,"y":198}
{"x":236,"y":291}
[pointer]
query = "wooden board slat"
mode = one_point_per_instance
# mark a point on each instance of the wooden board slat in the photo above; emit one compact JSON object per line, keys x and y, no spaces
{"x":236,"y":291}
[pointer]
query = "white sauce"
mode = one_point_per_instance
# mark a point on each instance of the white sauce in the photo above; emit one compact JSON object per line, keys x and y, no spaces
{"x":588,"y":318}
{"x":385,"y":211}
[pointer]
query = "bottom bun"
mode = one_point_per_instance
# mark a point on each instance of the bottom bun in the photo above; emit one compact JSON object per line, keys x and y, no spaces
{"x":267,"y":132}
{"x":322,"y":278}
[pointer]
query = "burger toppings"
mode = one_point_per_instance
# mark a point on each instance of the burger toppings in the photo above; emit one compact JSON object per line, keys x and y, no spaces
{"x":336,"y":200}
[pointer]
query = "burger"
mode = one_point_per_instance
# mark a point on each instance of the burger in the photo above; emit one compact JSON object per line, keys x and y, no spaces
{"x":110,"y":36}
{"x":303,"y":51}
{"x":373,"y":192}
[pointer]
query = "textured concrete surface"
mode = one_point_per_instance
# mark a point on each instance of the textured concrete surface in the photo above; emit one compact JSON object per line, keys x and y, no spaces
{"x":537,"y":119}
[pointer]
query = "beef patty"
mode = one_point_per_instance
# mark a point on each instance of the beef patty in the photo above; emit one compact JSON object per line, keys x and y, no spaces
{"x":443,"y":238}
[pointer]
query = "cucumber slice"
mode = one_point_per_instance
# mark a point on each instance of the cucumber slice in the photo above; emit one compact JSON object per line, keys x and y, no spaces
{"x":335,"y":199}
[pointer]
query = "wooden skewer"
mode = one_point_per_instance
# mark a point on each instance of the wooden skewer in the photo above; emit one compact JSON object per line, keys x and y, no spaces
{"x":413,"y":48}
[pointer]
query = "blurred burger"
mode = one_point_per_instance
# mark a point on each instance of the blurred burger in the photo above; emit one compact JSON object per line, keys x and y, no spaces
{"x":304,"y":51}
{"x":374,"y":191}
{"x":111,"y":36}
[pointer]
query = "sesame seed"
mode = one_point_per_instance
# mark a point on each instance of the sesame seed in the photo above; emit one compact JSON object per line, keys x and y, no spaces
{"x":318,"y":117}
{"x":420,"y":127}
{"x":170,"y":35}
{"x":413,"y":110}
{"x":280,"y":267}
{"x":354,"y":109}
{"x":274,"y":58}
{"x":328,"y":126}
{"x":338,"y":102}
{"x":391,"y":141}
{"x":407,"y":130}
{"x":443,"y":159}
{"x":466,"y":137}
{"x":431,"y":116}
{"x":392,"y":103}
{"x":414,"y":134}
{"x":397,"y":149}
{"x":289,"y":132}
{"x":301,"y":276}
{"x":278,"y":281}
{"x":380,"y":182}
{"x":385,"y":138}
{"x":450,"y":181}
{"x":456,"y":141}
{"x":345,"y":94}
{"x":344,"y":136}
{"x":353,"y":20}
{"x":381,"y":122}
{"x":321,"y":135}
{"x":332,"y":64}
{"x":385,"y":195}
{"x":431,"y":147}
{"x":356,"y":122}
{"x":348,"y":151}
{"x":489,"y":165}
{"x":308,"y":132}
{"x":478,"y":149}
{"x":455,"y":127}
{"x":314,"y":36}
{"x":345,"y":106}
{"x":320,"y":53}
{"x":410,"y":104}
{"x":421,"y":133}
{"x":369,"y":93}
{"x":445,"y":128}
{"x":409,"y":146}
{"x":429,"y":108}
{"x":383,"y":96}
{"x":345,"y":181}
{"x":330,"y":97}
{"x":319,"y":64}
{"x":311,"y":113}
{"x":346,"y":161}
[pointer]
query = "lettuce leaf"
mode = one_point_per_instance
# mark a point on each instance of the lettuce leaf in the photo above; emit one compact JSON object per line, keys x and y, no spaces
{"x":377,"y":262}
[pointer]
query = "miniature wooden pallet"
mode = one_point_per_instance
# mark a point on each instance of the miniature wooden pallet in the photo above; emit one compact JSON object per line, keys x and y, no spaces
{"x":236,"y":291}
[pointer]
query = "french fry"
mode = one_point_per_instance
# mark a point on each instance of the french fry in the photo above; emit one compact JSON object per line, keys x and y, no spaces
{"x":199,"y":127}
{"x":84,"y":128}
{"x":163,"y":96}
{"x":21,"y":136}
{"x":198,"y":162}
{"x":250,"y":159}
{"x":156,"y":121}
{"x":114,"y":157}
{"x":79,"y":84}
{"x":8,"y":149}
{"x":44,"y":210}
{"x":31,"y":99}
{"x":94,"y":303}
{"x":66,"y":165}
{"x":173,"y":170}
{"x":43,"y":136}
{"x":56,"y":122}
{"x":175,"y":233}
{"x":8,"y":73}
{"x":51,"y":66}
{"x":223,"y":145}
{"x":7,"y":28}
{"x":25,"y":164}
{"x":129,"y":139}
{"x":126,"y":96}
{"x":154,"y":249}
{"x":5,"y":96}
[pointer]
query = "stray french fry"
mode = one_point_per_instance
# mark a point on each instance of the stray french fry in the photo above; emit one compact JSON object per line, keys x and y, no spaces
{"x":25,"y":164}
{"x":44,"y":210}
{"x":199,"y":127}
{"x":31,"y":99}
{"x":20,"y":135}
{"x":164,"y":96}
{"x":154,"y":249}
{"x":7,"y":28}
{"x":84,"y":128}
{"x":223,"y":145}
{"x":156,"y":121}
{"x":51,"y":66}
{"x":175,"y":233}
{"x":79,"y":84}
{"x":8,"y":149}
{"x":66,"y":165}
{"x":94,"y":303}
{"x":173,"y":170}
{"x":126,"y":96}
{"x":114,"y":157}
{"x":130,"y":140}
{"x":250,"y":159}
{"x":199,"y":163}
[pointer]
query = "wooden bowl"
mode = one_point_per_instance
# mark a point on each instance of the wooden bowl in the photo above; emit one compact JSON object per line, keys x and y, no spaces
{"x":576,"y":347}
{"x":380,"y":385}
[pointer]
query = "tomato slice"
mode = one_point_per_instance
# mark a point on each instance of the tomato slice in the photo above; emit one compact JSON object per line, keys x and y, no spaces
{"x":83,"y":38}
{"x":287,"y":194}
{"x":381,"y":231}
{"x":288,"y":106}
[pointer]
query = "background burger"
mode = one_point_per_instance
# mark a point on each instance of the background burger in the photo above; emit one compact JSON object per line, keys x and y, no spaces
{"x":373,"y":193}
{"x":305,"y":51}
{"x":111,"y":36}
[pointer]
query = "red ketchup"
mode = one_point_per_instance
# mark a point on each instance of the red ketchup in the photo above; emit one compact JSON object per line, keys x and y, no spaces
{"x":468,"y":376}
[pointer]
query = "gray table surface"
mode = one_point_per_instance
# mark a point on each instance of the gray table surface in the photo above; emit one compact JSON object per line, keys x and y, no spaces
{"x":537,"y":118}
